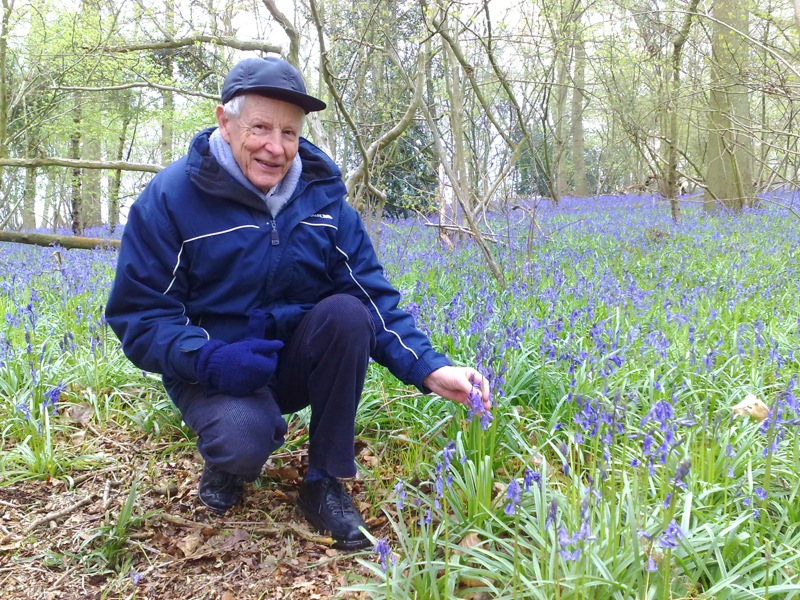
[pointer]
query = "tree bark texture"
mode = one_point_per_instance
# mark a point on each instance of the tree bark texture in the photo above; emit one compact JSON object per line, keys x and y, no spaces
{"x":729,"y":153}
{"x":579,"y":184}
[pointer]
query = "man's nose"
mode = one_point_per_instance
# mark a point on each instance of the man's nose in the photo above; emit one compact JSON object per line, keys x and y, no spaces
{"x":272,"y":142}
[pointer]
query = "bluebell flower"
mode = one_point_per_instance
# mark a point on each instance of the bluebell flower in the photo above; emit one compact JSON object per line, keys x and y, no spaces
{"x":476,"y":407}
{"x":426,"y":519}
{"x":24,"y":409}
{"x":531,"y":477}
{"x":400,"y":492}
{"x":384,"y":552}
{"x":760,"y":493}
{"x":681,"y":472}
{"x":447,"y":454}
{"x":552,"y":514}
{"x":514,"y":495}
{"x":573,"y":556}
{"x":52,"y":396}
{"x":671,"y":535}
{"x":651,"y":567}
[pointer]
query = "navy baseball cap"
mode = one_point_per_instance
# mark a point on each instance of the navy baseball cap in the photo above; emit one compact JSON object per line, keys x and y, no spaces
{"x":271,"y":77}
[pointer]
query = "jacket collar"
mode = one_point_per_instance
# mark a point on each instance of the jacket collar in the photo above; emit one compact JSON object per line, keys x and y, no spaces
{"x":206,"y":173}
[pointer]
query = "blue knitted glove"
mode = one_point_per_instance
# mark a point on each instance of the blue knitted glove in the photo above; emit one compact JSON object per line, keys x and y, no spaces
{"x":238,"y":368}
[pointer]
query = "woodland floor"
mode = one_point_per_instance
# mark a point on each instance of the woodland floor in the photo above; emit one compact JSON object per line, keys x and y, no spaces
{"x":57,"y":538}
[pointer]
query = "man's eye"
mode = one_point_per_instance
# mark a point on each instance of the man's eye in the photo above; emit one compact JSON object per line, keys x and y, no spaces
{"x":259,"y":130}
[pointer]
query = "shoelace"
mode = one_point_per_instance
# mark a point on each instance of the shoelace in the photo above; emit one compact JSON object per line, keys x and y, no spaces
{"x":345,"y":506}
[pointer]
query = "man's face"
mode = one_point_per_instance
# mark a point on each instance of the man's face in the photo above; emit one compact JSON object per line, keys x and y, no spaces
{"x":264,"y":138}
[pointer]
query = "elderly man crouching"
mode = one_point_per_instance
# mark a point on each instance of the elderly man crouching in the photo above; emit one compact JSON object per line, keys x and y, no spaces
{"x":250,"y":284}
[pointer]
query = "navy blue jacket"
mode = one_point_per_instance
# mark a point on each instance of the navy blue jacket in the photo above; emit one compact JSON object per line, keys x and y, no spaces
{"x":202,"y":258}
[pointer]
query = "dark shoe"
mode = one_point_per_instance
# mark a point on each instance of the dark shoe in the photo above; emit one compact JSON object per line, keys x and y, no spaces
{"x":329,"y":508}
{"x":219,"y":490}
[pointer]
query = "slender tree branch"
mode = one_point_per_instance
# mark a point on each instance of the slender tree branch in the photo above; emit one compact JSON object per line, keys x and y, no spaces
{"x":459,"y":193}
{"x":329,"y":81}
{"x":395,"y":132}
{"x":288,"y":28}
{"x":140,"y":84}
{"x":220,"y":40}
{"x":79,"y":164}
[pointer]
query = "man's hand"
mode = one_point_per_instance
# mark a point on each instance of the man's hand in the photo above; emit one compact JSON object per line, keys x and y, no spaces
{"x":456,"y":383}
{"x":239,"y":368}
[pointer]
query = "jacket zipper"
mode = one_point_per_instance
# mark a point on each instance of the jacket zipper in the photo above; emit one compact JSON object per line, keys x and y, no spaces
{"x":275,"y":238}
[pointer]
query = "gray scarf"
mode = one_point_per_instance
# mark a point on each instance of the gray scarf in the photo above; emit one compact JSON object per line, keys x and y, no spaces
{"x":274,"y":198}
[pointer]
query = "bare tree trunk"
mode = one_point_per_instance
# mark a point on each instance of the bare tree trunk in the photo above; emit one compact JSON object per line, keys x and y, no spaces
{"x":116,"y":177}
{"x":91,"y":180}
{"x":29,"y":191}
{"x":76,"y":209}
{"x":673,"y":88}
{"x":4,"y":91}
{"x":580,"y":185}
{"x":729,"y":152}
{"x":456,"y":116}
{"x":560,"y":125}
{"x":167,"y":96}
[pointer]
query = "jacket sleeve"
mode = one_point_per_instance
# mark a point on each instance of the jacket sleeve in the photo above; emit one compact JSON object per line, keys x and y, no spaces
{"x":400,"y":345}
{"x":145,"y":307}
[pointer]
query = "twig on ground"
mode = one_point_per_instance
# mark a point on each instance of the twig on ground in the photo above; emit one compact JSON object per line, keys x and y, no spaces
{"x":106,"y":495}
{"x":53,"y":516}
{"x":62,"y":579}
{"x":257,"y":529}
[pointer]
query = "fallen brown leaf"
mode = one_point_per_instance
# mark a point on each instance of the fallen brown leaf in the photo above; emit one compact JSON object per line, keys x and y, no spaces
{"x":469,"y":541}
{"x":80,"y":413}
{"x":752,"y":406}
{"x":190,"y":543}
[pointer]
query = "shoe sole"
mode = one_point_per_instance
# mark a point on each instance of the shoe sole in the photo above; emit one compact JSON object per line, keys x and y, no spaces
{"x":215,"y":509}
{"x":311,"y":516}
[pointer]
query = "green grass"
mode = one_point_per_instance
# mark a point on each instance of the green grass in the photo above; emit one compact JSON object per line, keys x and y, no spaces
{"x":596,"y":328}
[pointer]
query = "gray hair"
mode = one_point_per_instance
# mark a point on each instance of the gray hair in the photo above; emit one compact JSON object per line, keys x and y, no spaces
{"x":233,"y":107}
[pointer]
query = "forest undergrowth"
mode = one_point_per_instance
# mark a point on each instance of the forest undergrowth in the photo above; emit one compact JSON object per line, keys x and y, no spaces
{"x":643,"y":441}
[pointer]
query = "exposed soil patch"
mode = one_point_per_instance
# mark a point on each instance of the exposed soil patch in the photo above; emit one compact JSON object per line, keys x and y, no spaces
{"x":62,"y":539}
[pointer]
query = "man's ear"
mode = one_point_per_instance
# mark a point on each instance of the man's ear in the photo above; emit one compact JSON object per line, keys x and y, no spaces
{"x":224,"y":122}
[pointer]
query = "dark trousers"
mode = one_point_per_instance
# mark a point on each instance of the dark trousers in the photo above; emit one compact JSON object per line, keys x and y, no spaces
{"x":323,"y":366}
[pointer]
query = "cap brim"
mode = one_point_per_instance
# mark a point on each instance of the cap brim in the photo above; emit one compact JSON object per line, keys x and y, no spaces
{"x":304,"y":101}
